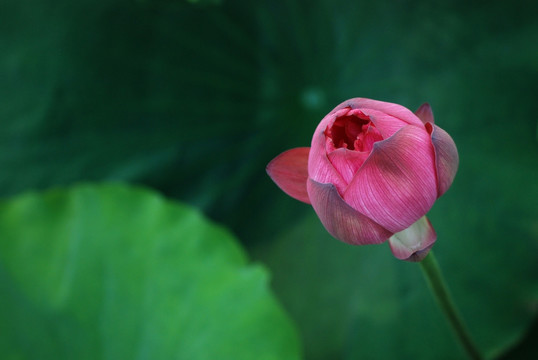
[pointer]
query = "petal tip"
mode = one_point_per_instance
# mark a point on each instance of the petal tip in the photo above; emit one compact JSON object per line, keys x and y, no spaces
{"x":425,"y":113}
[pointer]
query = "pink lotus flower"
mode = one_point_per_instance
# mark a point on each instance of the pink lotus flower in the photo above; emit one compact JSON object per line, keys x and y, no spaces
{"x":373,"y":171}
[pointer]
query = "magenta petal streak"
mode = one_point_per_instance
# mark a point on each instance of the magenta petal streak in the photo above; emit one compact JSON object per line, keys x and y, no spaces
{"x":413,"y":243}
{"x":396,"y":185}
{"x":446,"y":158}
{"x":289,"y":171}
{"x":341,"y":220}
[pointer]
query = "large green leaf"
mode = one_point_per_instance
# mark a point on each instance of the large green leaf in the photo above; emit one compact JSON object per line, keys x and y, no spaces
{"x":113,"y":272}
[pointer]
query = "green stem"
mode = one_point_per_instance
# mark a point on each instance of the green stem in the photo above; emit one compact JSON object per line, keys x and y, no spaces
{"x":437,"y":284}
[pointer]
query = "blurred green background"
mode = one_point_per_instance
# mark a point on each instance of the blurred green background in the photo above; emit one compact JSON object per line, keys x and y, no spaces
{"x":194,"y":98}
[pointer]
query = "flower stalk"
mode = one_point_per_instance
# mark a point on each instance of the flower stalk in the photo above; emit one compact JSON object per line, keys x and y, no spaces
{"x":439,"y":288}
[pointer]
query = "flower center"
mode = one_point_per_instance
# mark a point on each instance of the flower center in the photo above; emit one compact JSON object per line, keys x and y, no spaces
{"x":353,"y":132}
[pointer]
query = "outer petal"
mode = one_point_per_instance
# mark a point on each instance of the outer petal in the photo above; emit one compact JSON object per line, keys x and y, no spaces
{"x":395,"y":110}
{"x":320,"y":168}
{"x":425,"y":113}
{"x":413,"y":243}
{"x":289,"y":171}
{"x":396,"y":185}
{"x":341,"y":220}
{"x":446,"y":158}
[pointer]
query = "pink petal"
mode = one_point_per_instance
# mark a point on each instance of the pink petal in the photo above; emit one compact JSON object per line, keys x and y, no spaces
{"x":413,"y":243}
{"x":347,"y":162}
{"x":341,"y":220}
{"x":386,"y":124}
{"x":320,"y":167}
{"x":446,"y":158}
{"x":396,"y":185}
{"x":289,"y":171}
{"x":395,"y":110}
{"x":425,"y":113}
